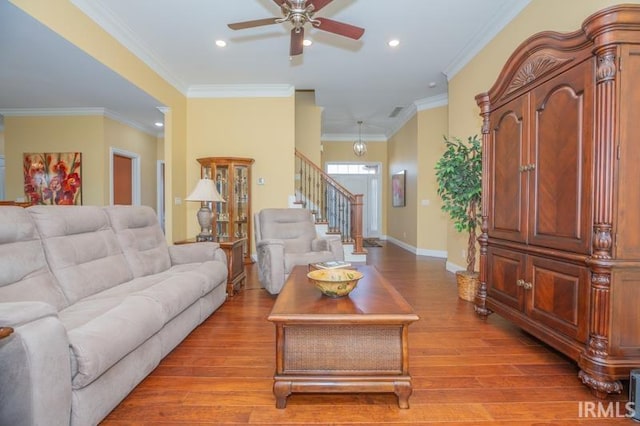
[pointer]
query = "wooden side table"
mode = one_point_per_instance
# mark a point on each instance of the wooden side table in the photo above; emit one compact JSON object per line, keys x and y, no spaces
{"x":234,"y":249}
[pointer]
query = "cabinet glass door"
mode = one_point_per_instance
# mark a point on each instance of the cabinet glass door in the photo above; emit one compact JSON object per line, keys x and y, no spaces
{"x":242,"y":200}
{"x":222,"y":209}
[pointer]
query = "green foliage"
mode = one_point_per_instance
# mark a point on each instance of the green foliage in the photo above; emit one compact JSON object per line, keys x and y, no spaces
{"x":459,"y":177}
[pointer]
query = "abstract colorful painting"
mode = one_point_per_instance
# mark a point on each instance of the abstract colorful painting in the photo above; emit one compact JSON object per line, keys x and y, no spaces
{"x":53,"y":178}
{"x":398,"y":189}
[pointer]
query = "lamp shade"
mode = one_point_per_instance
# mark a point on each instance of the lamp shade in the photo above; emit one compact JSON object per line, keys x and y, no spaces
{"x":205,"y":190}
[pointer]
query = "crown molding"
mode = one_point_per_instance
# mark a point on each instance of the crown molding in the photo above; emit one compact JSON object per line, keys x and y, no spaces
{"x":418,"y":105}
{"x":41,"y":112}
{"x":108,"y":21}
{"x":241,"y":91}
{"x":432,"y":102}
{"x":61,"y":112}
{"x":491,"y":28}
{"x":351,"y":137}
{"x":123,"y":120}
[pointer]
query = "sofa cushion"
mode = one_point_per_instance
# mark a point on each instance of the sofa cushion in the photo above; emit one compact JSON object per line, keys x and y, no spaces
{"x":81,"y":249}
{"x":162,"y":296}
{"x":105,"y":339}
{"x":141,"y":238}
{"x":25,"y":274}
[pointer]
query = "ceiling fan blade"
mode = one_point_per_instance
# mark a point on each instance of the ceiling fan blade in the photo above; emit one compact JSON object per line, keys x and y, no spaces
{"x":318,"y":4}
{"x":297,"y":37}
{"x":340,"y":28}
{"x":251,"y":24}
{"x":279,"y":2}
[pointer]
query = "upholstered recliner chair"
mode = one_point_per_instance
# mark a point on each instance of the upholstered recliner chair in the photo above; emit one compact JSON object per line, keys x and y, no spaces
{"x":286,"y":238}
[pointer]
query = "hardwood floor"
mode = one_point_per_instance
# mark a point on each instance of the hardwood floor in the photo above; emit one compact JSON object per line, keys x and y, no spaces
{"x":465,"y":370}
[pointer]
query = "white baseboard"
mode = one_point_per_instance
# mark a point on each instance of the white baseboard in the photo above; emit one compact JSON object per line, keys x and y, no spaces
{"x":442,"y":254}
{"x":452,"y":267}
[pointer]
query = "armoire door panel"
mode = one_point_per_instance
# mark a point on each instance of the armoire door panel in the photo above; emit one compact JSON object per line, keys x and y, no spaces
{"x":625,"y":314}
{"x":509,"y":184}
{"x":561,"y":144}
{"x":505,"y":269}
{"x":558,"y":296}
{"x":628,"y":241}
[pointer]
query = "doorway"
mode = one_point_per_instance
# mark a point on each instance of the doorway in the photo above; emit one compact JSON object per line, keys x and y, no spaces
{"x":125,"y":177}
{"x":362,"y":178}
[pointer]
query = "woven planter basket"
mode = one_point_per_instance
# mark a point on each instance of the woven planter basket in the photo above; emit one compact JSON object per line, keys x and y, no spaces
{"x":467,"y":285}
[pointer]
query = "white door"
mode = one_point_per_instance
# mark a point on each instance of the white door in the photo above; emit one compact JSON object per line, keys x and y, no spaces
{"x":369,"y":186}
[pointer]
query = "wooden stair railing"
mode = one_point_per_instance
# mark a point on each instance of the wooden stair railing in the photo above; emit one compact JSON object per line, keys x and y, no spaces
{"x":331,"y":202}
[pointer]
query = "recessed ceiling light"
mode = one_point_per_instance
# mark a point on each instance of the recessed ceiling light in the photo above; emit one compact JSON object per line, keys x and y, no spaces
{"x":307,"y":42}
{"x":158,"y":124}
{"x":394,"y":42}
{"x":432,"y":84}
{"x":221,"y":43}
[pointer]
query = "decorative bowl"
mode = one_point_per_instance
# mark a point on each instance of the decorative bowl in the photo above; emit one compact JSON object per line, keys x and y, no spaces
{"x":335,"y":282}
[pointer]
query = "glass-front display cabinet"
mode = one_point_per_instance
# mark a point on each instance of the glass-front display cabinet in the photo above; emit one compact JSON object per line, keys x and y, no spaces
{"x":232,"y":219}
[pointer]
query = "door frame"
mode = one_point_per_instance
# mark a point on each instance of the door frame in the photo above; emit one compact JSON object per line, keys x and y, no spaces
{"x":135,"y":174}
{"x":160,"y":205}
{"x":378,"y":175}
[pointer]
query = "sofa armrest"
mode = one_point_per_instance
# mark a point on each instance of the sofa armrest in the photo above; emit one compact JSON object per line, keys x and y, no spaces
{"x":271,"y":271}
{"x":330,"y":243}
{"x":35,"y":368}
{"x":196,"y":253}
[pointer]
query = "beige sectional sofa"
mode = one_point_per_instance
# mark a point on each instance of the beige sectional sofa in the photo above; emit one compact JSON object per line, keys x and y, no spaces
{"x":96,"y":299}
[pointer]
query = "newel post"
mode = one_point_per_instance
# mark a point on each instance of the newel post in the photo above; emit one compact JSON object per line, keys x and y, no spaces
{"x":356,"y":224}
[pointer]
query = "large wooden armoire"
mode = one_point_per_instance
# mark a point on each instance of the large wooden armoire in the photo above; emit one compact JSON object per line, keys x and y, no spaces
{"x":560,"y":242}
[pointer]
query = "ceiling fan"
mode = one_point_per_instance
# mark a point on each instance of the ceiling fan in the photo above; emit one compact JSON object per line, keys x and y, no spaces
{"x":298,"y":13}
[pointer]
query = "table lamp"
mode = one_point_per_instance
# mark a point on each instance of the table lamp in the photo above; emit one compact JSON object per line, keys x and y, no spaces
{"x":205,"y":192}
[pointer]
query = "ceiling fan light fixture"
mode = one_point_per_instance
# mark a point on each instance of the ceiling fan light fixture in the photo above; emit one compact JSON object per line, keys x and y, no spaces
{"x":298,"y":13}
{"x":359,"y":146}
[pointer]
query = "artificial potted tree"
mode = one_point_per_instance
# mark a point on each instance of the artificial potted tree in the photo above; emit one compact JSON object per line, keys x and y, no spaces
{"x":459,"y":178}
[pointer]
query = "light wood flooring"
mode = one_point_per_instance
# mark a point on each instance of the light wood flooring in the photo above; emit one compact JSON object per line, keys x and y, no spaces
{"x":465,"y":370}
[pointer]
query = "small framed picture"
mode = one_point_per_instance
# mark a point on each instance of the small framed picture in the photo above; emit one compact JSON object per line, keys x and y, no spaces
{"x":398,"y":189}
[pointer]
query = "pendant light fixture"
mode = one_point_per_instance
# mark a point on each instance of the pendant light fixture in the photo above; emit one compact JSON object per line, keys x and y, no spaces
{"x":359,"y":147}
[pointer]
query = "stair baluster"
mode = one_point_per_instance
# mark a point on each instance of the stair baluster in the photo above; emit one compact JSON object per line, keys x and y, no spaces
{"x":331,"y":203}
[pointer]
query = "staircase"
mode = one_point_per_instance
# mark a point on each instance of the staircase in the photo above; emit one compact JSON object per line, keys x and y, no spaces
{"x":337,"y":211}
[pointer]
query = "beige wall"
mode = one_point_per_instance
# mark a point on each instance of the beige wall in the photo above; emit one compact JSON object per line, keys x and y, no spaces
{"x":2,"y":142}
{"x":342,"y":152}
{"x":308,"y":125}
{"x":402,"y":222}
{"x":258,"y":128}
{"x":57,"y":134}
{"x":90,"y":135}
{"x":120,"y":136}
{"x":431,"y":221}
{"x":481,"y":72}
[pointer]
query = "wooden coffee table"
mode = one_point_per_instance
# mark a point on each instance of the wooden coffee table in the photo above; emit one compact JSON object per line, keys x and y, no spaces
{"x":357,"y":343}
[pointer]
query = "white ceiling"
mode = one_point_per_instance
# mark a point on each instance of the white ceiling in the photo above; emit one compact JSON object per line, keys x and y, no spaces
{"x":353,"y":80}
